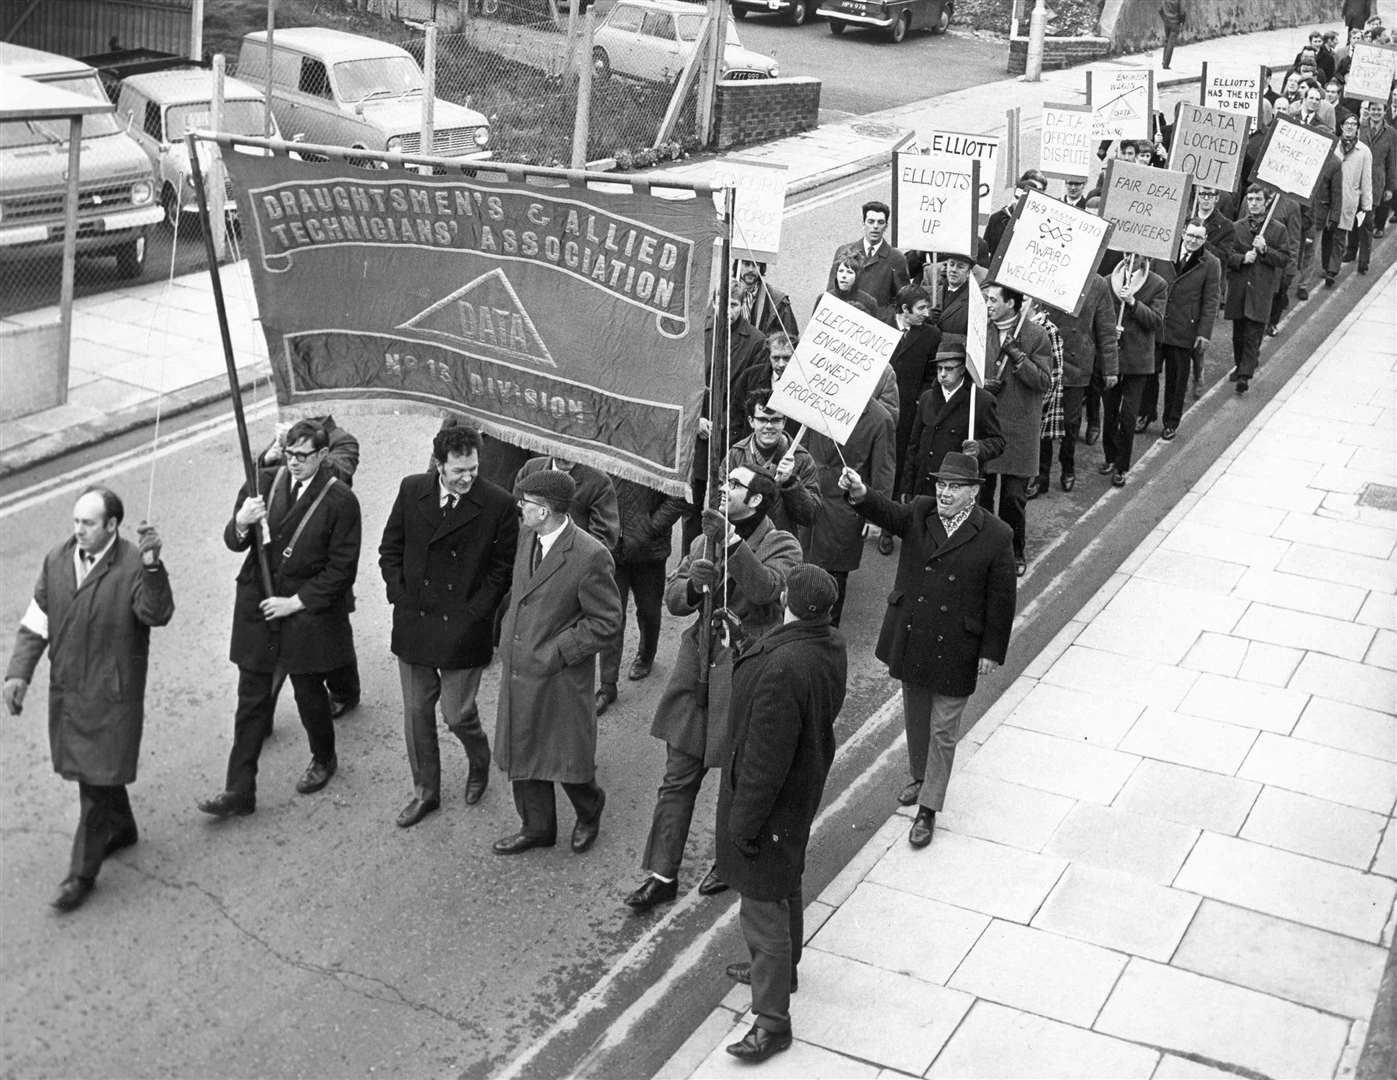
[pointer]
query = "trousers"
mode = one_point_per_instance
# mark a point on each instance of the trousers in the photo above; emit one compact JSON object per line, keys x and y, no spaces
{"x":646,"y":582}
{"x":674,"y":812}
{"x":456,"y":689}
{"x":1013,"y":504}
{"x":1178,"y":365}
{"x":104,"y":816}
{"x":933,"y":728}
{"x":253,"y":721}
{"x":774,"y":931}
{"x":1247,"y":335}
{"x":1120,"y":405}
{"x":1072,"y":399}
{"x":538,"y":806}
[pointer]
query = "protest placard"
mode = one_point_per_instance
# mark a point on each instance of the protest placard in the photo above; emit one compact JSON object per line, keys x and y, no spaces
{"x":1066,"y":148}
{"x":1209,"y":145}
{"x":977,"y":333}
{"x":758,"y":208}
{"x":1122,"y":102}
{"x":982,"y":148}
{"x":1292,"y":157}
{"x":1372,"y":68}
{"x":1233,"y":88}
{"x":835,"y":369}
{"x":936,"y":201}
{"x":1050,"y":251}
{"x":1146,"y":206}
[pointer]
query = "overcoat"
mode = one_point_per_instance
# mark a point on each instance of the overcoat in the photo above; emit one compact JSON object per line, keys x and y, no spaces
{"x":1382,"y":144}
{"x":1251,"y":287}
{"x":756,"y":573}
{"x":647,"y":522}
{"x":953,"y":316}
{"x":786,"y":692}
{"x":320,"y":570}
{"x":1326,"y":208}
{"x":882,"y":276}
{"x":1355,"y":186}
{"x":446,"y":574}
{"x":1019,"y":401}
{"x":98,"y":639}
{"x":953,"y":599}
{"x":1089,"y":338}
{"x":941,"y":426}
{"x":914,"y":363}
{"x":1192,"y":305}
{"x":835,"y":540}
{"x":1141,"y":324}
{"x":559,"y":618}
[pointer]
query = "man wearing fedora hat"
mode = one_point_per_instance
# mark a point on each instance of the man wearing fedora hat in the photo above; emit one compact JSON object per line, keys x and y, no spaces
{"x":948,"y":619}
{"x":787,"y":689}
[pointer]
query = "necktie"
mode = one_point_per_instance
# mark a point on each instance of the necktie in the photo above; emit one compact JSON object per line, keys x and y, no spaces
{"x":448,"y":504}
{"x":536,"y":556}
{"x":87,"y":559}
{"x":297,"y":490}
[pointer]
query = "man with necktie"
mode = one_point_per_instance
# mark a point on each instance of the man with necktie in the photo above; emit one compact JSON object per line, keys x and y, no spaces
{"x":883,"y":272}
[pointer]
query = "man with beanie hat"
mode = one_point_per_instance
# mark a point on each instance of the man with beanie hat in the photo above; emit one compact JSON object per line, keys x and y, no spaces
{"x":948,"y":620}
{"x":787,"y":690}
{"x":563,"y":609}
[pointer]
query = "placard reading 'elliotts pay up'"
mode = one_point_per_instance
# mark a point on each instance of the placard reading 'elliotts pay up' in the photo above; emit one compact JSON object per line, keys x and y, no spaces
{"x":935,"y":203}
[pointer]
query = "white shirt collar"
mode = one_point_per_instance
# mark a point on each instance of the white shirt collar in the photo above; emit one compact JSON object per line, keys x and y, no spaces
{"x":77,"y":556}
{"x":545,"y":543}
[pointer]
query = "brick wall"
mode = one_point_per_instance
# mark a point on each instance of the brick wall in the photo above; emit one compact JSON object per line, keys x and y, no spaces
{"x":1057,"y":52}
{"x":753,"y":110}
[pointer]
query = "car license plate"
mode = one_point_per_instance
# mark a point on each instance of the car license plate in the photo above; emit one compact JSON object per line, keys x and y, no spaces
{"x":853,"y":7}
{"x":773,"y":5}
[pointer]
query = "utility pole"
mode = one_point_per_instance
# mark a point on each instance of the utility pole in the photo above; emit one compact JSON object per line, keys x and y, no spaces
{"x":711,"y":69}
{"x":582,"y":123}
{"x":429,"y":87}
{"x":1037,"y":31}
{"x":217,"y":193}
{"x":267,"y":127}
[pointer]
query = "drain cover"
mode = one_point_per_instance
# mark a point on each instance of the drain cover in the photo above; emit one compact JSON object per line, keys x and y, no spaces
{"x":1378,"y":496}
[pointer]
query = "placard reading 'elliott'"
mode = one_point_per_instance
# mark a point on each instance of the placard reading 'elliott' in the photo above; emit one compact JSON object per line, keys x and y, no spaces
{"x":981,"y":148}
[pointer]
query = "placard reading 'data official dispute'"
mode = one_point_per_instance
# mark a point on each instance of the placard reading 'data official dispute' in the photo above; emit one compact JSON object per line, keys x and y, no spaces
{"x":1050,"y":250}
{"x":935,"y":203}
{"x":1066,"y":148}
{"x":835,"y":369}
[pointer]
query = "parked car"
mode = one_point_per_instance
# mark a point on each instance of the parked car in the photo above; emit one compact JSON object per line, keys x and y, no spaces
{"x":338,"y":89}
{"x":894,"y":17}
{"x":116,"y":188}
{"x":652,"y":40}
{"x":158,"y":109}
{"x":795,"y":12}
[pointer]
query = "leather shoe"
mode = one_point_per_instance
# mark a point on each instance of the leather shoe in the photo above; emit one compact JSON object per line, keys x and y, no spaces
{"x":652,"y":891}
{"x":1302,"y":293}
{"x":920,"y":835}
{"x":520,"y":842}
{"x":1118,"y":479}
{"x":640,"y":669}
{"x":908,"y":795}
{"x":73,"y":892}
{"x":343,"y":705}
{"x":760,"y":1044}
{"x":1035,"y":487}
{"x":1093,"y":433}
{"x":1106,"y":468}
{"x":1068,"y":481}
{"x":743,"y":973}
{"x":1169,"y":434}
{"x":416,"y":810}
{"x":317,"y":775}
{"x":605,"y":696}
{"x":476,"y":781}
{"x":1020,"y":566}
{"x":1142,"y":424}
{"x":1242,"y":385}
{"x":885,"y":544}
{"x":227,"y":803}
{"x":584,"y":833}
{"x":712,"y":884}
{"x":119,"y":841}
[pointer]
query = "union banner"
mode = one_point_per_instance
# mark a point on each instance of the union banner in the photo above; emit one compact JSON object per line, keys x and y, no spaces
{"x":556,"y":317}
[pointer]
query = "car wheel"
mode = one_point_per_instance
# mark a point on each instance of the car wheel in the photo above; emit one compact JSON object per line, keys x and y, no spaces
{"x":799,"y":13}
{"x":898,"y":30}
{"x":601,"y":65}
{"x":739,"y":12}
{"x":836,"y":27}
{"x":131,"y":259}
{"x":943,"y":20}
{"x":169,"y":202}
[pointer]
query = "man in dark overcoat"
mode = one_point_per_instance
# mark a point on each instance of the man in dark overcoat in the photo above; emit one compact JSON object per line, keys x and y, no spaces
{"x":948,"y":619}
{"x":952,"y":315}
{"x":787,"y":690}
{"x":563,"y":610}
{"x":942,"y":421}
{"x":1138,"y":307}
{"x":1195,"y":288}
{"x":741,"y":560}
{"x":914,"y":363}
{"x":446,"y":556}
{"x":94,"y":603}
{"x":312,"y":529}
{"x":1255,"y":261}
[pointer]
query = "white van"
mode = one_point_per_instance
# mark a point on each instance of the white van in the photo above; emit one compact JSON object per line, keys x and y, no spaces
{"x":339,"y":89}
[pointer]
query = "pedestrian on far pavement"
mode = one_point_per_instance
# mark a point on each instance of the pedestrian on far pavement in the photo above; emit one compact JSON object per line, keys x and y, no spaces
{"x":1357,"y":12}
{"x":948,"y":620}
{"x":1174,"y":15}
{"x":1255,"y":263}
{"x":563,"y":610}
{"x":310,"y":529}
{"x":446,"y":558}
{"x":787,"y":691}
{"x":883,"y":270}
{"x":95,"y":600}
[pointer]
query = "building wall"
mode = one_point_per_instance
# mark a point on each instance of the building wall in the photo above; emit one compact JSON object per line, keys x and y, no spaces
{"x":1134,"y":25}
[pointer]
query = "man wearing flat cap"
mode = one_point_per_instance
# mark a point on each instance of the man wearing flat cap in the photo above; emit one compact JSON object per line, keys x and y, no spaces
{"x":787,"y":690}
{"x":563,"y":609}
{"x":948,"y":618}
{"x":941,"y":423}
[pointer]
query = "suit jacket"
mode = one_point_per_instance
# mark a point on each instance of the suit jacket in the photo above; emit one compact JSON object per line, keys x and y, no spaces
{"x":953,"y":600}
{"x":446,"y":574}
{"x":881,"y":276}
{"x":941,"y":425}
{"x":953,"y":316}
{"x":98,"y":640}
{"x":787,"y":690}
{"x":1141,"y":326}
{"x":320,"y":571}
{"x":1192,"y":305}
{"x":835,"y":540}
{"x":559,"y":618}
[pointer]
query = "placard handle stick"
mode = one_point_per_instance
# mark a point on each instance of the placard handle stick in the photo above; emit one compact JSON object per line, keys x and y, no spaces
{"x":1270,"y":213}
{"x":970,"y":434}
{"x":800,"y":434}
{"x":1129,"y":272}
{"x":935,"y":281}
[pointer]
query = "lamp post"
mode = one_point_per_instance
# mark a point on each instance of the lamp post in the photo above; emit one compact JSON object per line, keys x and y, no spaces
{"x":1037,"y":30}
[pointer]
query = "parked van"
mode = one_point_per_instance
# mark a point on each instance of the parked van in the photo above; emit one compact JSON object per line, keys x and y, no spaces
{"x":160,"y":107}
{"x":116,"y":188}
{"x":340,"y":89}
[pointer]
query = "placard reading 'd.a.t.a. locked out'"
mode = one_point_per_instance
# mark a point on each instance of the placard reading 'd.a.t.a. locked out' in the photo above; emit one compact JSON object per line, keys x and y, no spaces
{"x":1208,"y":145}
{"x":1147,"y":206}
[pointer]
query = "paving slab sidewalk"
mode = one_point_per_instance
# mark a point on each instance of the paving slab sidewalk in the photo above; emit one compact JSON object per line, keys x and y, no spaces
{"x":1151,"y":863}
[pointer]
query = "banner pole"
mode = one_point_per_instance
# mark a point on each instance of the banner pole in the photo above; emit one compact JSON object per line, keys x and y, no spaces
{"x":249,"y":466}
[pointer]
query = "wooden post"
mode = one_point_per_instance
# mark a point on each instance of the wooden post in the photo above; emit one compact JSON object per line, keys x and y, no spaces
{"x":267,"y":128}
{"x":711,"y":69}
{"x":582,"y":121}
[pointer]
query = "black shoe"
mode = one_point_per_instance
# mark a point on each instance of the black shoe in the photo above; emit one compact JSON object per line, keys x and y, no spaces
{"x":228,"y":803}
{"x":1328,"y":281}
{"x":339,"y":707}
{"x":1142,"y":424}
{"x":477,"y":780}
{"x":1242,"y":386}
{"x":922,"y":825}
{"x":743,"y":973}
{"x":1093,"y":433}
{"x":1378,"y":234}
{"x":760,"y":1044}
{"x":908,"y":795}
{"x":416,"y":810}
{"x":1302,"y":293}
{"x":652,"y":891}
{"x":119,"y":841}
{"x":1169,"y":434}
{"x":1020,"y":566}
{"x":1363,"y":270}
{"x":640,"y":669}
{"x":1196,"y":389}
{"x":1068,"y":481}
{"x":73,"y":893}
{"x":605,"y":696}
{"x":885,"y":544}
{"x":712,"y":884}
{"x":317,"y":775}
{"x":1105,"y":468}
{"x":584,"y":833}
{"x":1036,"y":486}
{"x":520,"y":842}
{"x":1118,"y":479}
{"x":1233,"y":375}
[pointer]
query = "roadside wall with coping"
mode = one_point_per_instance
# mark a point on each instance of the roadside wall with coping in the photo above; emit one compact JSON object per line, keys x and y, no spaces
{"x":754,"y":110}
{"x":1058,"y":52}
{"x":1134,"y":25}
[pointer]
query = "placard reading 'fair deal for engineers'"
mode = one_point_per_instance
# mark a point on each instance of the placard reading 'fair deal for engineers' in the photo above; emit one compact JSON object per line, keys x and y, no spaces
{"x":1050,"y":252}
{"x":1147,"y":206}
{"x":935,"y":203}
{"x":835,"y":368}
{"x":1208,"y":145}
{"x":1233,"y":88}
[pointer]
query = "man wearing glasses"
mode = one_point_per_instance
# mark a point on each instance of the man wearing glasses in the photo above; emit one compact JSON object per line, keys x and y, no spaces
{"x":769,"y":450}
{"x":310,"y":527}
{"x":1195,"y":284}
{"x":948,"y":619}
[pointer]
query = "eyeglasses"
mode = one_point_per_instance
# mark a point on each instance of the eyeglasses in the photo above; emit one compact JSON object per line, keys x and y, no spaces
{"x":768,"y":421}
{"x":734,"y":484}
{"x":521,"y":503}
{"x":1198,"y":238}
{"x":301,"y":455}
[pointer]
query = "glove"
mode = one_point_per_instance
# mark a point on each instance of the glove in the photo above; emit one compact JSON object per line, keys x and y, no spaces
{"x":971,"y":447}
{"x":714,"y":527}
{"x":747,"y":847}
{"x":148,"y":543}
{"x":1015,"y":352}
{"x":14,"y":695}
{"x":703,"y":574}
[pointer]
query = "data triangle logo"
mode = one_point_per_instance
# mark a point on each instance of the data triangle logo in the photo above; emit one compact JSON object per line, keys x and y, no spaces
{"x":486,"y":318}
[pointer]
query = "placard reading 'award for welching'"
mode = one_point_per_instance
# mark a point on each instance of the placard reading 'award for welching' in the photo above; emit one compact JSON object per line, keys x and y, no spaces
{"x":1050,"y":251}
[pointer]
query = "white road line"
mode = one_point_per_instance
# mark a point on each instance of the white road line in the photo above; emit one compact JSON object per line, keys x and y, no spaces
{"x":841,"y":192}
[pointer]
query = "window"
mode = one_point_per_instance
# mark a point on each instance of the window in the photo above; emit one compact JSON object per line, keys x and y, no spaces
{"x":625,"y":18}
{"x":315,"y":80}
{"x":153,"y":126}
{"x":659,"y":24}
